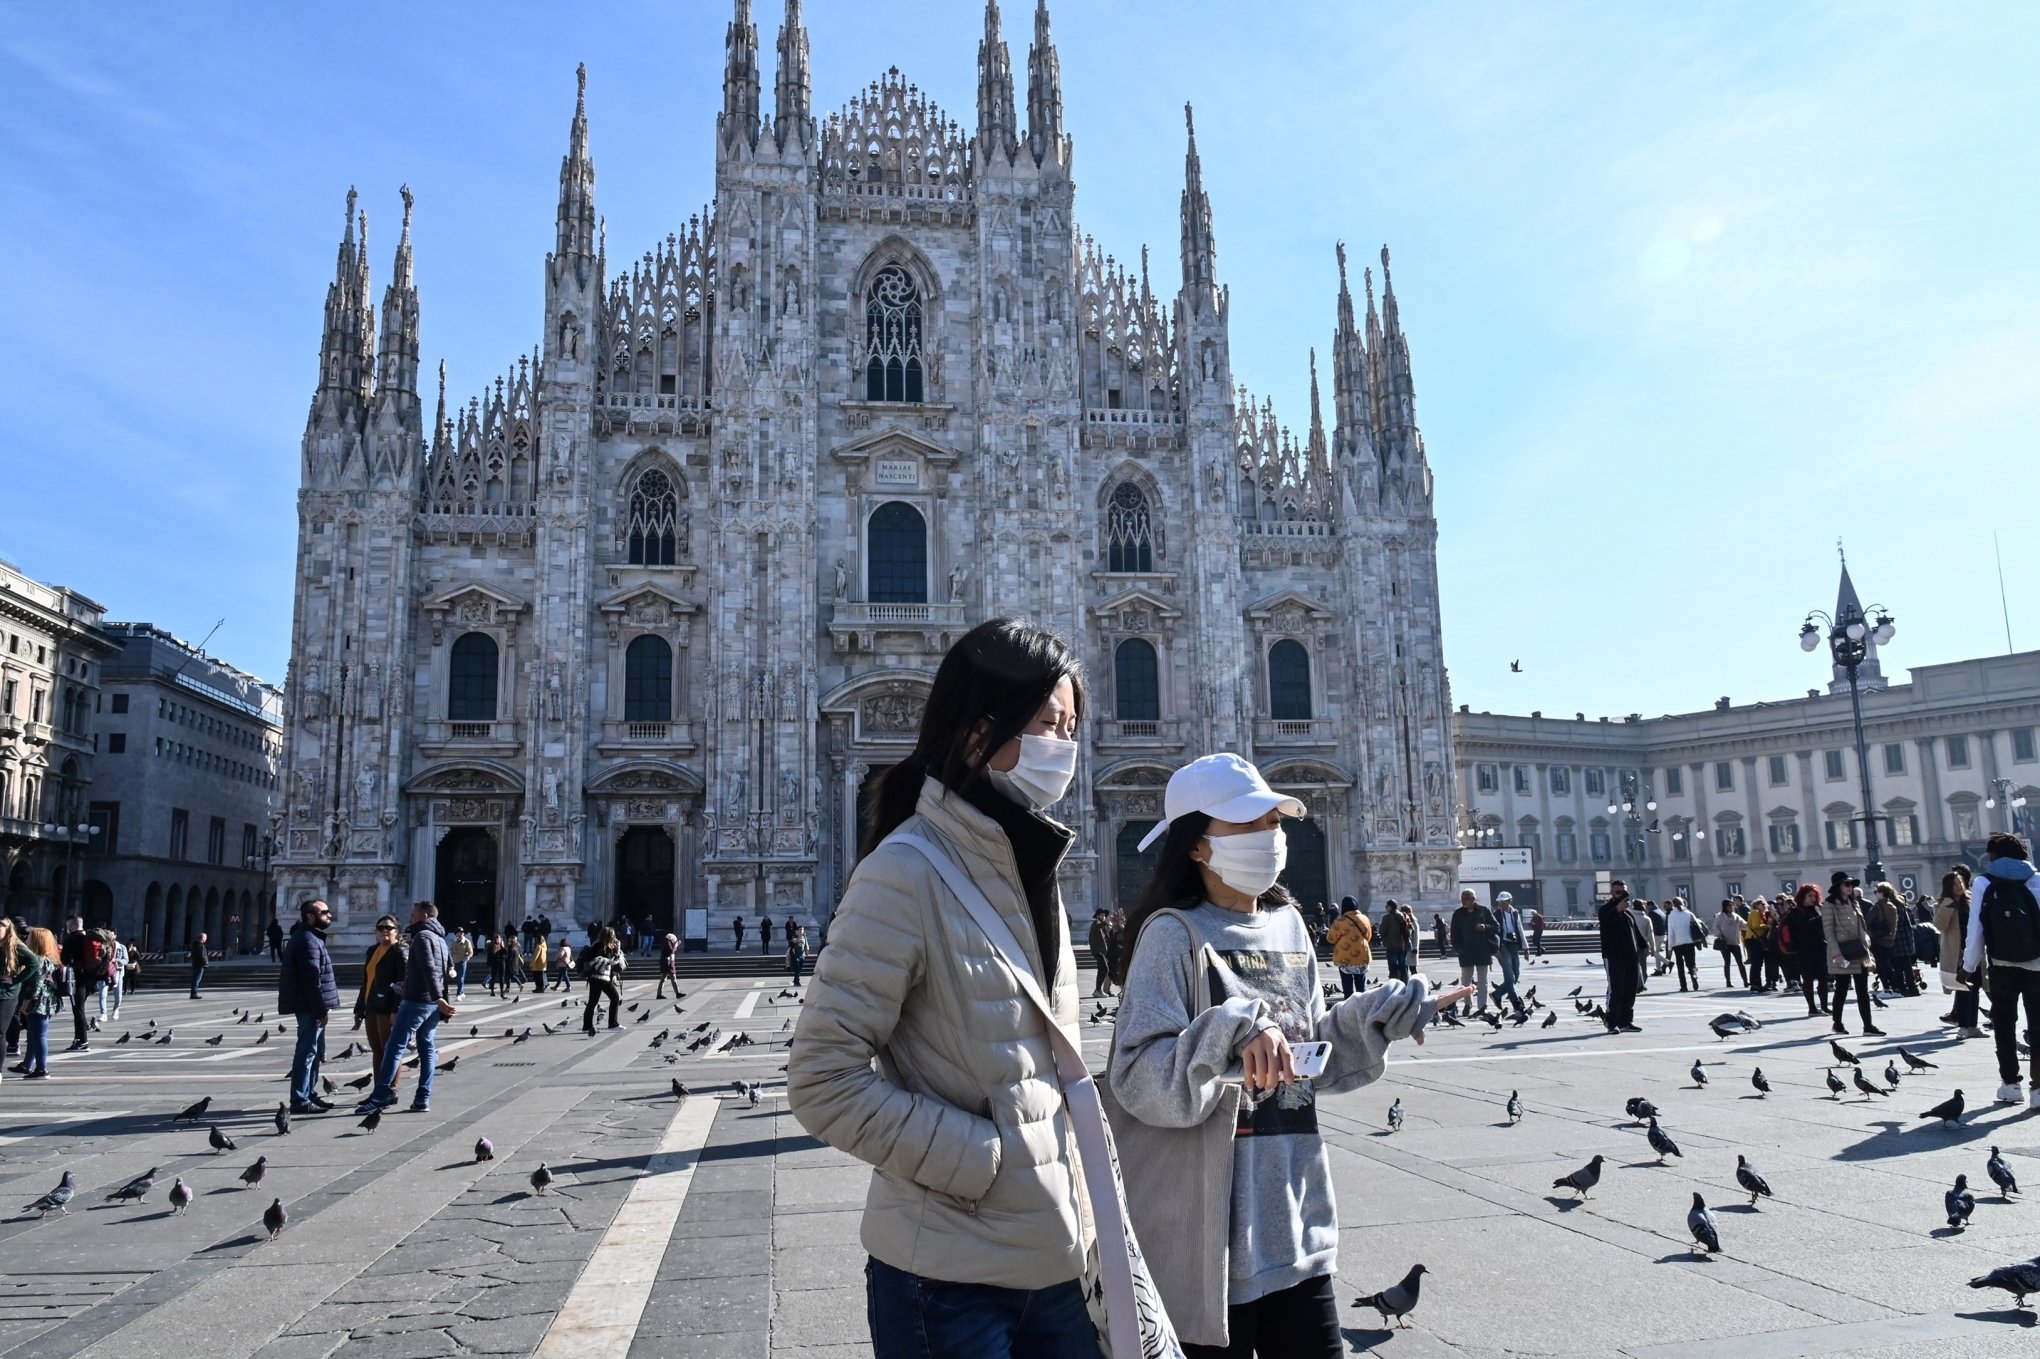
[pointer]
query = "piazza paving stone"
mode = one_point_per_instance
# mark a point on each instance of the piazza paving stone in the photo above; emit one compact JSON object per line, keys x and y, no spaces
{"x":401,"y":1246}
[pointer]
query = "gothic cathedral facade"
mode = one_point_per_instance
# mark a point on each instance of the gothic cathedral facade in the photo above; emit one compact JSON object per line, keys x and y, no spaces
{"x":632,"y":630}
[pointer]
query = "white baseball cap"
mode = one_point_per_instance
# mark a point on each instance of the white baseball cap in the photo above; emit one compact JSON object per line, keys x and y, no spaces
{"x":1224,"y":787}
{"x":1504,"y":896}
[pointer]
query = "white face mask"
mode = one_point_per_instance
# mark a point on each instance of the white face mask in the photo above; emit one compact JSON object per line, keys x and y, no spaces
{"x":1047,"y":766}
{"x":1249,"y":862}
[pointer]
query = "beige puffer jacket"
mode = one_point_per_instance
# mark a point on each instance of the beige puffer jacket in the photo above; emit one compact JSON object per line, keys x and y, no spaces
{"x":917,"y":1052}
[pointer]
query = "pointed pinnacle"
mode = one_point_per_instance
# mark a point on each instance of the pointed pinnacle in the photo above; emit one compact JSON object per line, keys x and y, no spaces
{"x":348,"y":223}
{"x":1341,"y":249}
{"x":581,"y":86}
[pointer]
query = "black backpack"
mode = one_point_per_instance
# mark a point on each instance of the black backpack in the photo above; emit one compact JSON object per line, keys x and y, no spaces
{"x":2011,"y":921}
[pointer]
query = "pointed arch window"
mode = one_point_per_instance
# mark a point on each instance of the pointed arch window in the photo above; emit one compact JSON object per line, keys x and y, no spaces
{"x":651,"y":526}
{"x":892,"y":337}
{"x":897,"y":550}
{"x":471,"y":679}
{"x":648,"y":680}
{"x":1288,"y":682}
{"x":1136,"y":684}
{"x":1129,"y":530}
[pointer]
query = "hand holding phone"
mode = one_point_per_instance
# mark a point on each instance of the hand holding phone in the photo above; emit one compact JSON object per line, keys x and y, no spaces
{"x":1310,"y":1059}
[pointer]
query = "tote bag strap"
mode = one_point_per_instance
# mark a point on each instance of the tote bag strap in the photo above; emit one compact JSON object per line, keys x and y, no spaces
{"x":1087,"y":1114}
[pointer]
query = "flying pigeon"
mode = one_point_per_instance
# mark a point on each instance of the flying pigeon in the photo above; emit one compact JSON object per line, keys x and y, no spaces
{"x":137,"y":1189}
{"x":218,"y":1140}
{"x":1699,"y":1075}
{"x":1959,"y":1202}
{"x":2001,"y":1174}
{"x":1757,"y":1079}
{"x":273,"y":1217}
{"x":1917,"y":1063}
{"x":1700,"y":1222}
{"x":485,"y":1150}
{"x":58,"y":1199}
{"x":1515,"y":1107}
{"x":1842,"y":1054}
{"x":180,"y":1196}
{"x":1395,"y":1115}
{"x":1550,"y":1018}
{"x":1746,"y":1175}
{"x":541,"y":1179}
{"x":372,"y":1122}
{"x":1949,"y":1110}
{"x":1661,"y":1142}
{"x":282,"y":1119}
{"x":1834,"y":1084}
{"x":1397,"y":1300}
{"x":1861,"y":1083}
{"x":1583,"y":1179}
{"x":195,"y":1112}
{"x":2018,"y":1280}
{"x":1640,"y":1109}
{"x":252,"y":1176}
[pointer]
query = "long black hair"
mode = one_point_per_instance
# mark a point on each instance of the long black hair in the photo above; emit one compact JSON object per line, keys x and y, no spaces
{"x":1178,"y":882}
{"x":999,"y":673}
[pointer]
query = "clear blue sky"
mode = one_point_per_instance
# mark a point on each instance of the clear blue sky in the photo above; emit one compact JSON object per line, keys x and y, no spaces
{"x":1692,"y":290}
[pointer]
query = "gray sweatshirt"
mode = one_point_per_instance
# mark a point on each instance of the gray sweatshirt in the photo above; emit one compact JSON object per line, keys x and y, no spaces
{"x":1174,"y":1049}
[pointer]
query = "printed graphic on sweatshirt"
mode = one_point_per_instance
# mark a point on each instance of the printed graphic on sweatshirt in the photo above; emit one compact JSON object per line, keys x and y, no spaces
{"x":1283,"y":982}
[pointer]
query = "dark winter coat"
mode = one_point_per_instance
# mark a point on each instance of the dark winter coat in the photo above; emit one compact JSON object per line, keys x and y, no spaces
{"x":1474,"y":935}
{"x":426,"y":968}
{"x":306,"y":985}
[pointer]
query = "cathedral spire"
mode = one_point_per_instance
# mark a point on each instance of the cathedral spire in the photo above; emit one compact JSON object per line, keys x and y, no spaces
{"x":1352,"y":401}
{"x":1393,"y":360}
{"x":397,"y":369}
{"x":792,"y":115}
{"x":997,"y":131}
{"x":442,"y":433}
{"x":1200,"y":248}
{"x":1044,"y":91}
{"x":340,"y":355}
{"x":739,"y":120}
{"x":576,"y":234}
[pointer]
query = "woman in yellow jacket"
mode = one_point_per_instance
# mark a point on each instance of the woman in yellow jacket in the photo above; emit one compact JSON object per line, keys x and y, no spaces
{"x":1352,"y":941}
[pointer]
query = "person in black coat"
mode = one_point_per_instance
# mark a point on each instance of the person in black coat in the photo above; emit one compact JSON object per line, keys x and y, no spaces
{"x":306,"y":988}
{"x":1806,"y":937}
{"x":1624,"y":956}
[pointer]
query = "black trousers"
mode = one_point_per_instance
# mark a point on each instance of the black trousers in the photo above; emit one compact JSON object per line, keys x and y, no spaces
{"x":1733,"y":955}
{"x":1622,"y":986}
{"x":1301,"y":1322}
{"x":598,"y":987}
{"x":1688,"y":964}
{"x":2009,"y":988}
{"x":1811,"y":975}
{"x":1840,"y":999}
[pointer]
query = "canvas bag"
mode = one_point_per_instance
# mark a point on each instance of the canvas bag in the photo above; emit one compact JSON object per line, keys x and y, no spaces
{"x":1134,"y":1324}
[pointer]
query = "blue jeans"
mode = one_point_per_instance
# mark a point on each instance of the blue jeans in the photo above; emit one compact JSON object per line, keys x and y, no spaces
{"x":35,"y":1052}
{"x":1352,"y":981}
{"x":106,"y":989}
{"x":415,"y":1019}
{"x":916,"y":1318}
{"x":305,"y":1059}
{"x":1512,"y":967}
{"x":197,"y":980}
{"x":799,"y":967}
{"x":460,"y":978}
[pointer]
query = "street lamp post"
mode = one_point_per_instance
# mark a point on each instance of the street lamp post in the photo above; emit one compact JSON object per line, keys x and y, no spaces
{"x":2001,"y":792}
{"x":1631,"y":808}
{"x":71,"y":835}
{"x":1850,"y":633}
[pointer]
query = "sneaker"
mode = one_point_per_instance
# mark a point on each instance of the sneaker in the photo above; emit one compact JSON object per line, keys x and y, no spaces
{"x":298,"y":1106}
{"x":420,"y":1108}
{"x":1972,"y":1032}
{"x":36,"y":1076}
{"x":1839,"y":1028}
{"x":78,"y":1046}
{"x":1872,"y":1031}
{"x":373,"y":1105}
{"x":321,"y":1104}
{"x":2033,"y":1099}
{"x":2008,"y":1093}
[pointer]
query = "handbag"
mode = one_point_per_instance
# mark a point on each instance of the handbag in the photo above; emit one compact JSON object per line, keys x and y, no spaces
{"x":1852,"y":950}
{"x":1134,"y":1325}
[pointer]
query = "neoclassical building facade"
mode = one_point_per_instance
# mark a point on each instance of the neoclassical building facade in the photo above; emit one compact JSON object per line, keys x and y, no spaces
{"x":632,"y":629}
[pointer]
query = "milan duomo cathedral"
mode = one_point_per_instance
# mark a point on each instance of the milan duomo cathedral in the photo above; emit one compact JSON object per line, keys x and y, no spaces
{"x":632,"y":629}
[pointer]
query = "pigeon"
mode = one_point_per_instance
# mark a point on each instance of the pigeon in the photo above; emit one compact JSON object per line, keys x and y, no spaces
{"x":2000,"y":1175}
{"x":215,"y":1040}
{"x":1842,"y":1054}
{"x":349,"y":1052}
{"x":1515,"y":1107}
{"x":1949,"y":1110}
{"x":679,"y":1090}
{"x":509,"y":1033}
{"x":485,"y":1150}
{"x":195,"y":1112}
{"x":262,"y":1018}
{"x":282,"y":1119}
{"x":1574,"y":994}
{"x":127,"y":1037}
{"x":474,"y":1031}
{"x":524,"y":1037}
{"x":1699,"y":1075}
{"x":262,"y":1038}
{"x":326,"y":1084}
{"x":1640,"y":1109}
{"x":1834,"y":1084}
{"x":164,"y":1041}
{"x":244,"y":1016}
{"x":252,"y":1176}
{"x":1493,"y":1021}
{"x":1959,"y":1202}
{"x":751,"y":1094}
{"x":1700,"y":1222}
{"x":446,"y":1067}
{"x":550,"y":1030}
{"x":1530,"y":998}
{"x":1721,"y":1030}
{"x":702,"y":1027}
{"x":137,"y":1189}
{"x":361,"y":1083}
{"x":1593,"y":962}
{"x":273,"y":1217}
{"x":1583,"y":1179}
{"x":1917,"y":1063}
{"x":180,"y":1196}
{"x":1746,"y":1175}
{"x":1395,"y":1115}
{"x":1891,"y":1074}
{"x":372,"y":1122}
{"x":1757,"y":1079}
{"x":1550,"y":1018}
{"x":541,"y":1179}
{"x":218,"y":1140}
{"x":58,"y":1199}
{"x":1862,"y":1083}
{"x":1661,"y":1142}
{"x":1451,"y":1020}
{"x":1397,"y":1300}
{"x":631,"y":1008}
{"x":2018,"y":1280}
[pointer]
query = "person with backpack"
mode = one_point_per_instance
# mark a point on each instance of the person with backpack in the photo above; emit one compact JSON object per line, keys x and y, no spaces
{"x":42,"y":995}
{"x":602,"y":968}
{"x":2004,"y":931}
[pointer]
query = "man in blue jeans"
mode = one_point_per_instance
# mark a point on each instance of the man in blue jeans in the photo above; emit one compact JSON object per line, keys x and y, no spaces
{"x":306,"y":988}
{"x":424,"y":1004}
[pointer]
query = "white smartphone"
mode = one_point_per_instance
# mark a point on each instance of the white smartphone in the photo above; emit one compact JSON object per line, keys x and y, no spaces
{"x":1310,"y":1059}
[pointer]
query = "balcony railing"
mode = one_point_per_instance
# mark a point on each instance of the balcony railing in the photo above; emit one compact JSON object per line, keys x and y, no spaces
{"x":1286,"y":528}
{"x":470,"y":731}
{"x":1108,"y":416}
{"x":856,"y":625}
{"x":1147,"y":733}
{"x":645,"y":731}
{"x":1291,"y":731}
{"x":629,"y":738}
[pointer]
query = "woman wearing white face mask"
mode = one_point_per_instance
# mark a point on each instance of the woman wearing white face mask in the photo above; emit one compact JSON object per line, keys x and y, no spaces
{"x":918,"y":1049}
{"x":1228,"y":1182}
